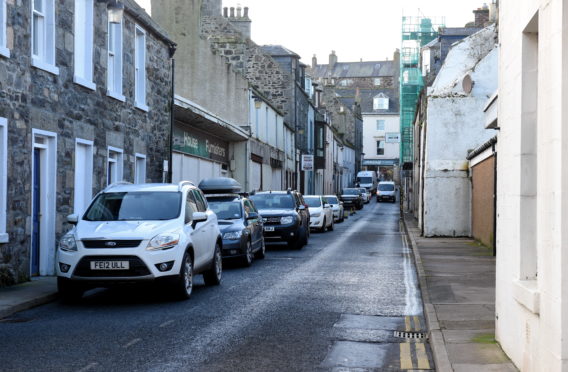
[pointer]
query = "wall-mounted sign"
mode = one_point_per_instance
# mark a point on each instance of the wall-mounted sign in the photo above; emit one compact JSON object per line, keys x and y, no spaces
{"x":307,"y":163}
{"x":200,"y":144}
{"x":392,"y":137}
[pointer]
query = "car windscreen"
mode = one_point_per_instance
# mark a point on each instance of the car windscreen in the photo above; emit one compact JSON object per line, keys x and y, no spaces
{"x":351,"y":192}
{"x":226,"y":209}
{"x":312,"y":202}
{"x":273,"y":201}
{"x":332,"y":200}
{"x":365,"y":179}
{"x":386,"y":187}
{"x":135,"y":206}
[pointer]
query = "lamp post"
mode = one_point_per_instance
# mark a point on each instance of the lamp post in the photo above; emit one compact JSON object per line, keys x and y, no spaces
{"x":115,"y":10}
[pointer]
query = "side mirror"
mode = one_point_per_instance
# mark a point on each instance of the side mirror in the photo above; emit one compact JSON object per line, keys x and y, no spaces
{"x":340,"y":203}
{"x":198,"y":217}
{"x":73,"y":219}
{"x":252,"y":216}
{"x":301,"y":207}
{"x":325,"y":205}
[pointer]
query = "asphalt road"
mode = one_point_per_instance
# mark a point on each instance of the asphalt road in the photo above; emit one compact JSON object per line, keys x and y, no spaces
{"x":333,"y":306}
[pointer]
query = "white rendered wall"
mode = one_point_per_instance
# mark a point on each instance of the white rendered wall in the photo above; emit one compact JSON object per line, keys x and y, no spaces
{"x":371,"y":135}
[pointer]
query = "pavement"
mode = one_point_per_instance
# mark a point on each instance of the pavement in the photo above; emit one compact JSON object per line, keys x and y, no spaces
{"x":20,"y":297}
{"x":457,"y":281}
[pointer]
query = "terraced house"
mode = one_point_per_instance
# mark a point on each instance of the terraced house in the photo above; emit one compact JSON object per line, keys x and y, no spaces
{"x":85,"y":102}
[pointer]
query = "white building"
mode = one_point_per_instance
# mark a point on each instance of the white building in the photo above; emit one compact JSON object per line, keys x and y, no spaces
{"x":453,"y":125}
{"x":532,"y":223}
{"x":381,"y":140}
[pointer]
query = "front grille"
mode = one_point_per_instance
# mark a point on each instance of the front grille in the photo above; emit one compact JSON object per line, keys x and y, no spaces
{"x":137,"y":267}
{"x":111,"y":243}
{"x":271,"y":220}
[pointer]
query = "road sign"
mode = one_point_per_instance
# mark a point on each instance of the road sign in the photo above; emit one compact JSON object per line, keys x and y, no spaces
{"x":307,"y":163}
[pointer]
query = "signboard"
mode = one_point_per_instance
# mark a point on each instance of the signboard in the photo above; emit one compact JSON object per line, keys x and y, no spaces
{"x":200,"y":144}
{"x":392,"y":137}
{"x":307,"y":163}
{"x":380,"y":162}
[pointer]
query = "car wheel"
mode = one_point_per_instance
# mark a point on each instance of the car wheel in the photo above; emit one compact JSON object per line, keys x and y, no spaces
{"x":214,"y":274}
{"x":323,"y":227}
{"x":184,"y":283}
{"x":330,"y":228}
{"x":249,"y":255}
{"x":68,"y":291}
{"x":261,"y":253}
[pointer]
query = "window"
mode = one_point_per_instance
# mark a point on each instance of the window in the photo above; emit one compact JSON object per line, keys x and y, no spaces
{"x":43,"y":35}
{"x":380,"y":125}
{"x":377,"y":81}
{"x":114,"y":165}
{"x":3,"y":178}
{"x":83,"y":191}
{"x":140,"y":69}
{"x":200,"y":201}
{"x":4,"y":51}
{"x":84,"y":43}
{"x":190,"y":206}
{"x":380,"y":147}
{"x":381,"y":102}
{"x":140,"y":168}
{"x":114,"y":63}
{"x":346,"y":83}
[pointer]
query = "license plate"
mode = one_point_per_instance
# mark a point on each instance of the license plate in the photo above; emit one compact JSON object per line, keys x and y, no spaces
{"x":269,"y":228}
{"x":110,"y":265}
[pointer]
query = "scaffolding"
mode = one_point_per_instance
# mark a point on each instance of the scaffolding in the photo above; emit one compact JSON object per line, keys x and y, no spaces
{"x":416,"y":32}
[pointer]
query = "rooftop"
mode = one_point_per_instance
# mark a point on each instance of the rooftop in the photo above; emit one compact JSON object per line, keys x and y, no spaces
{"x":356,"y":69}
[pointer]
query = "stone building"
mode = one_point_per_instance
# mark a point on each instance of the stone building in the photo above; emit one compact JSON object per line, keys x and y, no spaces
{"x":84,"y":103}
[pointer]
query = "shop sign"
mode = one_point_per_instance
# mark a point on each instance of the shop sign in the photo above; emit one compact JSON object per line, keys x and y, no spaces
{"x":392,"y":137}
{"x":307,"y":163}
{"x":200,"y":144}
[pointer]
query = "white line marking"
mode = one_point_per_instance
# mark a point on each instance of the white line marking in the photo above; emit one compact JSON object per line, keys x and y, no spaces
{"x":88,"y":367}
{"x":165,"y":324}
{"x":135,"y":341}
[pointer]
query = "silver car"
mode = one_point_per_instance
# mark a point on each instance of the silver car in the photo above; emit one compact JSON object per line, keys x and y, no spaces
{"x":336,"y":207}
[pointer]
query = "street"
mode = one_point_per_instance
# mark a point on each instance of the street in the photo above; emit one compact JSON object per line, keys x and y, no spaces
{"x":334,"y":305}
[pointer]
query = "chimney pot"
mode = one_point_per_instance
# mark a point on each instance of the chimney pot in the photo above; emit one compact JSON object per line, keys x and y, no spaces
{"x":232,"y":12}
{"x":314,"y":61}
{"x":246,"y":15}
{"x":225,"y":12}
{"x":238,"y":12}
{"x":332,"y":59}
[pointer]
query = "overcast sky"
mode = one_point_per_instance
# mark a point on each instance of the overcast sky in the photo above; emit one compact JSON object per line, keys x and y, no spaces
{"x":355,"y":29}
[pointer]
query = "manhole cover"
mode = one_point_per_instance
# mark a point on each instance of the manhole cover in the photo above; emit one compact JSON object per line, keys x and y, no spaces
{"x":409,"y":335}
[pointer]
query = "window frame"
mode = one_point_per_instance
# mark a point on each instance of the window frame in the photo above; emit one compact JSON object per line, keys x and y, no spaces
{"x":119,"y":164}
{"x":4,"y":237}
{"x":4,"y":51}
{"x":115,"y":80}
{"x":138,"y":157}
{"x":380,"y":147}
{"x":140,"y":78}
{"x":381,"y":122}
{"x":46,"y":57}
{"x":83,"y":40}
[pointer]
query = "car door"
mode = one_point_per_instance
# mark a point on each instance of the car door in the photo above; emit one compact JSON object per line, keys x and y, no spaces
{"x":209,"y":228}
{"x":327,"y":210}
{"x":255,"y":225}
{"x":197,"y":232}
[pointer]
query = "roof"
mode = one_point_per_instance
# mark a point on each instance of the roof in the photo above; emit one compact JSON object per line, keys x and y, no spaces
{"x":459,"y":31}
{"x":347,"y":96}
{"x":278,"y":50}
{"x":356,"y":69}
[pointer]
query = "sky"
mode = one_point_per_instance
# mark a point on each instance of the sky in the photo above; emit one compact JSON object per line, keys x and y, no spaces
{"x":355,"y":29}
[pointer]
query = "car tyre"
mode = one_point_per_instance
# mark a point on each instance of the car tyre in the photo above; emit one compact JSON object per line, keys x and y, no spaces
{"x":214,"y":275}
{"x":184,"y":283}
{"x":330,"y":228}
{"x":249,"y":255}
{"x":68,"y":291}
{"x":261,"y":253}
{"x":323,"y":227}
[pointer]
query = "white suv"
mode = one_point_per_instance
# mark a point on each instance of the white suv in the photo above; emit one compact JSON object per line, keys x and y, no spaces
{"x":137,"y":233}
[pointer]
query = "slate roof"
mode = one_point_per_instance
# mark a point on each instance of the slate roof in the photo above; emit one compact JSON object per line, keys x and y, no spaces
{"x":459,"y":31}
{"x":356,"y":69}
{"x":347,"y":96}
{"x":278,"y":50}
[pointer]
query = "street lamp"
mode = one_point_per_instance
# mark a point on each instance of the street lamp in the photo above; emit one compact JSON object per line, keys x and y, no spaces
{"x":115,"y":10}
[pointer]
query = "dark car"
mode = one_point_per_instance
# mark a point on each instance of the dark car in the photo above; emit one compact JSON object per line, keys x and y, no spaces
{"x":285,"y":216}
{"x":351,"y":198}
{"x":239,"y":221}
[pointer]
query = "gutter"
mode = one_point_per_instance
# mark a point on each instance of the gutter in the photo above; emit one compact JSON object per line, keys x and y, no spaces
{"x":491,"y":143}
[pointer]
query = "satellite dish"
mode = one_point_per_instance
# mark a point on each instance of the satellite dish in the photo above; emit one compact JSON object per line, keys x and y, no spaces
{"x":467,"y":83}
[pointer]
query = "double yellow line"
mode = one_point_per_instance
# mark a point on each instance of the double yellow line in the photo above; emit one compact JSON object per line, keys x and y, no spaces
{"x":411,"y":346}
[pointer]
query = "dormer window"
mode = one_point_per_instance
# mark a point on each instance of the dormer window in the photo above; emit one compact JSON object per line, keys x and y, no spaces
{"x":381,"y":102}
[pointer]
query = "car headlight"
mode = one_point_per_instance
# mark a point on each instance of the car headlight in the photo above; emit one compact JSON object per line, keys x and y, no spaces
{"x":232,"y":235}
{"x":286,"y":220}
{"x":163,"y":241}
{"x":67,"y":243}
{"x":315,"y":214}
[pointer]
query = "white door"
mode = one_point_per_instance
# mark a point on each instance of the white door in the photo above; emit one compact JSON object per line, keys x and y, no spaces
{"x":83,"y":175}
{"x":256,"y":175}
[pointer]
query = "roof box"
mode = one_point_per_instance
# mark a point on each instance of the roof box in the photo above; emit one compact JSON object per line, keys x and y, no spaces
{"x":220,"y":185}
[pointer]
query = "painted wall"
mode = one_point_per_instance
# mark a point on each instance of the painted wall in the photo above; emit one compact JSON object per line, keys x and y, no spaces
{"x":371,"y":135}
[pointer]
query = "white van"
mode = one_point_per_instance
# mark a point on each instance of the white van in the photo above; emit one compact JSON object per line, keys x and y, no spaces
{"x":368,"y":180}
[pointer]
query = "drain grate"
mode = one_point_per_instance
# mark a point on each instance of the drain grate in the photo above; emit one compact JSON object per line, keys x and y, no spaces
{"x":409,"y":335}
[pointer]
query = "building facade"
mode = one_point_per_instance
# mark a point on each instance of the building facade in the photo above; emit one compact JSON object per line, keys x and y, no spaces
{"x":85,"y":103}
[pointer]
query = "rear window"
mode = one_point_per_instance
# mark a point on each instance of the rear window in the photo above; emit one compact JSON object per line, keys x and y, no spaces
{"x":135,"y":206}
{"x":227,"y":209}
{"x":386,"y":187}
{"x":351,"y":192}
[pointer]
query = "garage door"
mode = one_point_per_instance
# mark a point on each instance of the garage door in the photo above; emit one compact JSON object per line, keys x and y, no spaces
{"x":189,"y":168}
{"x":276,"y":179}
{"x":256,"y":176}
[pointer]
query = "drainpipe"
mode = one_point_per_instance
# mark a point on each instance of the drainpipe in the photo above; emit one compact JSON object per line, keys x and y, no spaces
{"x":170,"y":158}
{"x":494,"y":203}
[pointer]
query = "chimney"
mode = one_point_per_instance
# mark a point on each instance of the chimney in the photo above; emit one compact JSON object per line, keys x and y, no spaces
{"x":494,"y":11}
{"x":314,"y":61}
{"x":239,"y":10}
{"x":481,"y":16}
{"x":226,"y":12}
{"x":241,"y":22}
{"x":396,"y":56}
{"x":332,"y":59}
{"x":232,"y":12}
{"x":211,"y":7}
{"x":246,"y":15}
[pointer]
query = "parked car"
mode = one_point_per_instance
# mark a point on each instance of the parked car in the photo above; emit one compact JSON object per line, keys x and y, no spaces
{"x":140,"y":233}
{"x":285,"y":216}
{"x":386,"y":190}
{"x":351,"y":198}
{"x":321,"y":214}
{"x":365,"y":194}
{"x":238,"y":218}
{"x":336,"y":207}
